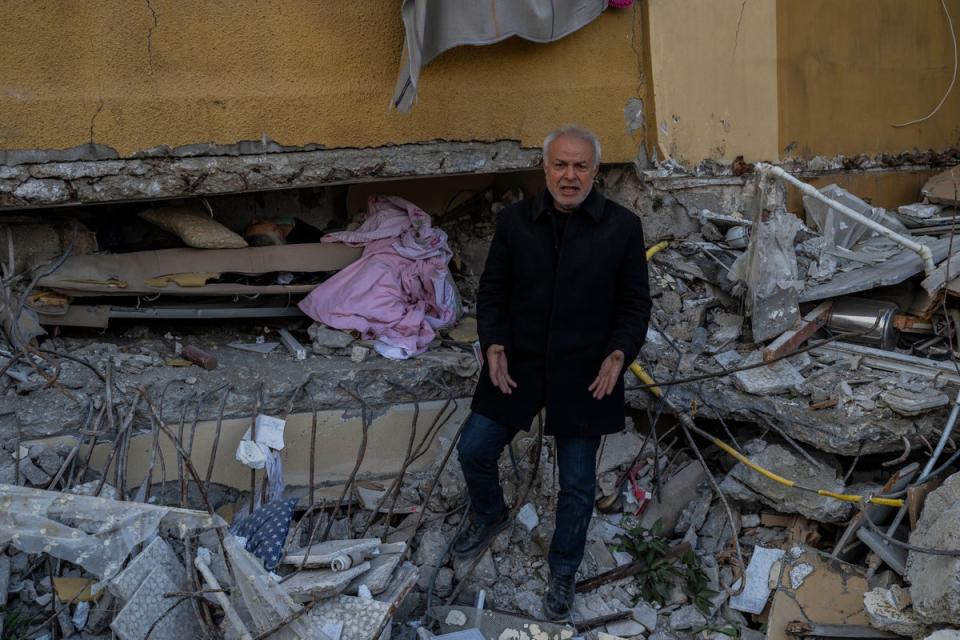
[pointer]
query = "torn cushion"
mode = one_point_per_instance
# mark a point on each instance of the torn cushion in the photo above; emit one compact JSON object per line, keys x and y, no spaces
{"x":194,"y":227}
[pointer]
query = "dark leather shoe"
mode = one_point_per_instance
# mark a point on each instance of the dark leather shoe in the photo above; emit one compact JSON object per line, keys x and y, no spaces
{"x":559,"y":598}
{"x":474,"y":536}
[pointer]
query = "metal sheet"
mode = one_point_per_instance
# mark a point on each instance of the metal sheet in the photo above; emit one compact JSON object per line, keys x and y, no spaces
{"x":894,"y":270}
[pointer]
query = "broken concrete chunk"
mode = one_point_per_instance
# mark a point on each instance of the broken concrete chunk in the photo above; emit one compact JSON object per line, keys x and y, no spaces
{"x":49,"y":461}
{"x":4,"y":578}
{"x":148,"y":604}
{"x":747,"y":485}
{"x":87,"y":489}
{"x":942,"y":188}
{"x":695,"y":513}
{"x":885,"y":614}
{"x":645,"y":614}
{"x":779,"y":377}
{"x":687,"y":617}
{"x":529,"y":603}
{"x":625,"y":628}
{"x":381,"y":569}
{"x":919,"y":210}
{"x":754,"y":597}
{"x":34,"y":474}
{"x":681,"y":488}
{"x":485,"y":571}
{"x":935,"y":580}
{"x":312,"y":584}
{"x":157,"y":555}
{"x":430,"y":550}
{"x":619,"y":449}
{"x":324,"y":336}
{"x":908,"y":403}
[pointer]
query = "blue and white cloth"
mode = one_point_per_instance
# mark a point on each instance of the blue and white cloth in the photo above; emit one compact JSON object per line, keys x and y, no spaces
{"x":265,"y":531}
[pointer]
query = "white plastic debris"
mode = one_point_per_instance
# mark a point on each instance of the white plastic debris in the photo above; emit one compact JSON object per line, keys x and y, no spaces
{"x":757,"y":590}
{"x":269,"y":431}
{"x":527,"y":516}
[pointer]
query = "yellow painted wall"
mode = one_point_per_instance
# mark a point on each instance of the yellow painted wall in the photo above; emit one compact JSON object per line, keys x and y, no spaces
{"x":714,"y":65}
{"x":851,"y":68}
{"x":888,"y":189}
{"x":133,"y":75}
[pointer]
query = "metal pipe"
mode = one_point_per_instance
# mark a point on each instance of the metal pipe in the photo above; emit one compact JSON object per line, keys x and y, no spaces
{"x":921,"y":250}
{"x":947,"y":430}
{"x":201,"y":562}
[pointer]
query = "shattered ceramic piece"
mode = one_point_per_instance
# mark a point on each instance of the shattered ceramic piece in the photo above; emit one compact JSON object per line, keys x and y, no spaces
{"x":148,"y":605}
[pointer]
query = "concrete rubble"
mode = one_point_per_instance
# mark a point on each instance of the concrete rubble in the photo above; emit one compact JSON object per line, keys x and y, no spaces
{"x":365,"y":550}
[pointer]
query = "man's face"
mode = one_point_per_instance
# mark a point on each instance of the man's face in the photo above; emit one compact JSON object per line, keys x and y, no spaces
{"x":569,"y":167}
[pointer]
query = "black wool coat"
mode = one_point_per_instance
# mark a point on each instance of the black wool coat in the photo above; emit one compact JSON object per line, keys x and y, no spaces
{"x":559,"y":308}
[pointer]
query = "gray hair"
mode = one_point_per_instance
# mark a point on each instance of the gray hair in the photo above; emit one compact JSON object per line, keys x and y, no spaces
{"x":574,"y":131}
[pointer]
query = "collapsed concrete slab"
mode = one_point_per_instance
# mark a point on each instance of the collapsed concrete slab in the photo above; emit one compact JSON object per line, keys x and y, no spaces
{"x":746,"y":485}
{"x":935,"y":579}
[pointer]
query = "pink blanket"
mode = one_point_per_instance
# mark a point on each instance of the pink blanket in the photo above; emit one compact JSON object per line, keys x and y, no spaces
{"x":399,"y":292}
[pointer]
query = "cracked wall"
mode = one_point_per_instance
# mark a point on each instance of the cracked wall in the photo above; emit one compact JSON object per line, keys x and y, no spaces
{"x":132,"y":76}
{"x":785,"y":79}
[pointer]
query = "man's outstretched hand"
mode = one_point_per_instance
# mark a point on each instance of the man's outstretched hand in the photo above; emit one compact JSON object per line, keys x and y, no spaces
{"x":499,"y":376}
{"x":610,"y":372}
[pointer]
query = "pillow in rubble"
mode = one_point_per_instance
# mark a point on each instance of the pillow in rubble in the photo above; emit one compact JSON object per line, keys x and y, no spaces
{"x":194,"y":227}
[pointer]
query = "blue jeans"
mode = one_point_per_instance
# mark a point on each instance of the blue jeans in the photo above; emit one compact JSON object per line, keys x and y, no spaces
{"x":481,"y":444}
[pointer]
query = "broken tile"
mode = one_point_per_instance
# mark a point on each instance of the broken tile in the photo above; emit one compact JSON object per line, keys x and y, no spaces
{"x":831,"y":595}
{"x":361,"y":618}
{"x":158,"y":554}
{"x":147,"y":605}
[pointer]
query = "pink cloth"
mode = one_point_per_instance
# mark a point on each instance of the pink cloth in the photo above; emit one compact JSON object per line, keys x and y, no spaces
{"x":399,"y":292}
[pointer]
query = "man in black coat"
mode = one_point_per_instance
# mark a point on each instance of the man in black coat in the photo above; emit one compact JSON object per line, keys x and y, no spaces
{"x":563,"y":306}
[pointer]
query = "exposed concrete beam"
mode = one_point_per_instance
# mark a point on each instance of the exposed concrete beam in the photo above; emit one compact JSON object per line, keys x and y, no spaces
{"x":62,"y":183}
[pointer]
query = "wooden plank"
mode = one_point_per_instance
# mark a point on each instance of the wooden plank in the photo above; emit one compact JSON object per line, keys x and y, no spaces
{"x":791,"y":340}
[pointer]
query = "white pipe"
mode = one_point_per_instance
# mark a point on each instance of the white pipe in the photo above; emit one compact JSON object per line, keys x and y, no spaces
{"x":921,"y":250}
{"x":221,"y":597}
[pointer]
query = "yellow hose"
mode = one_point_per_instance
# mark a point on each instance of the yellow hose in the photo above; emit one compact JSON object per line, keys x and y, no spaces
{"x":645,"y":378}
{"x":660,"y":246}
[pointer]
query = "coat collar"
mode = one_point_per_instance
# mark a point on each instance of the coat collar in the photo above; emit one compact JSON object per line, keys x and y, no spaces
{"x":594,"y":204}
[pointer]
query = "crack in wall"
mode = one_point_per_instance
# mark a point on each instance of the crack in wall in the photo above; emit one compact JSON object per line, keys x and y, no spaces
{"x":736,"y":36}
{"x":156,"y":23}
{"x":93,"y":118}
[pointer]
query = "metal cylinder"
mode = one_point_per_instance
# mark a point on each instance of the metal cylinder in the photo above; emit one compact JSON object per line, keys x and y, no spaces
{"x":850,"y":315}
